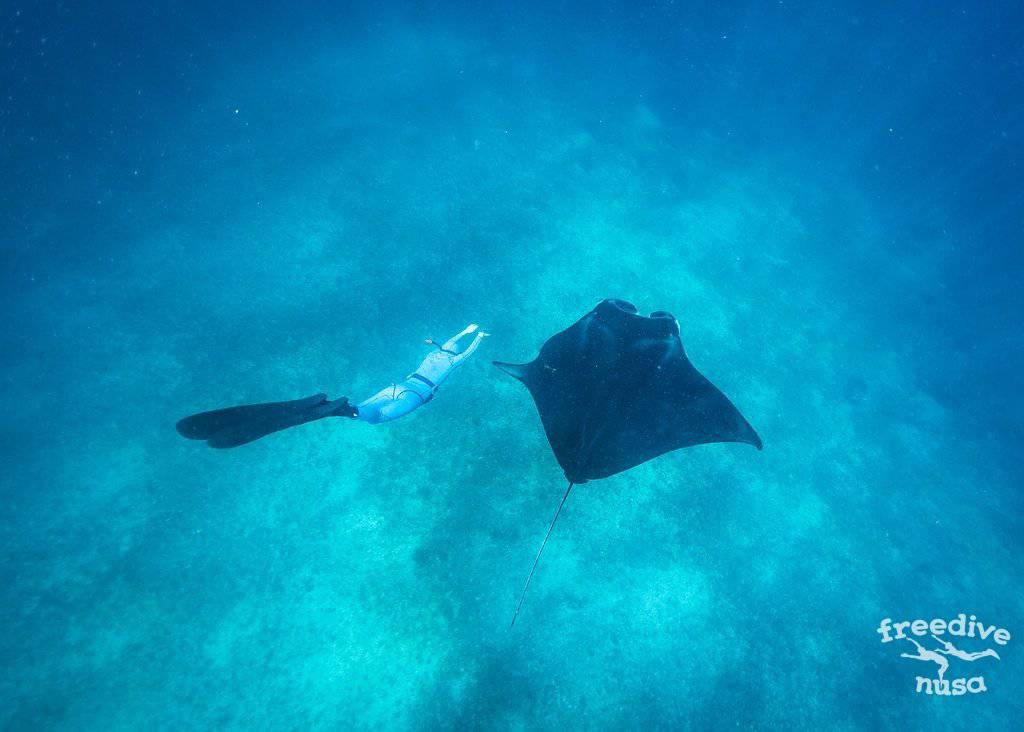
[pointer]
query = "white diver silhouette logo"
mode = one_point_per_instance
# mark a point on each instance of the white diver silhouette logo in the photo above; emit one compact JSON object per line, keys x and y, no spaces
{"x":923,"y":654}
{"x":940,"y":656}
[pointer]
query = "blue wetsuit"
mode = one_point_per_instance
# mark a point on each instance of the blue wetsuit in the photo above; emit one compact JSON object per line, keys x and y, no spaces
{"x":398,"y":399}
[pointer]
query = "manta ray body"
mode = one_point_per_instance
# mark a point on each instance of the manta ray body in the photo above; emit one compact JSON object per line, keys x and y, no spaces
{"x":616,"y":389}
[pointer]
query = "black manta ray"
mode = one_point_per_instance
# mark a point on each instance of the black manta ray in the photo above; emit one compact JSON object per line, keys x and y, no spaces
{"x":615,"y":389}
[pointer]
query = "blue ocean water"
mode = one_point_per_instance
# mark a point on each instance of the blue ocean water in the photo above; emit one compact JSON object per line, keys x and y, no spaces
{"x":208,"y":206}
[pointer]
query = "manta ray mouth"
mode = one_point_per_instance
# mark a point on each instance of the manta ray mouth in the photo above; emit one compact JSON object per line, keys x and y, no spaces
{"x":623,"y":305}
{"x":658,"y":323}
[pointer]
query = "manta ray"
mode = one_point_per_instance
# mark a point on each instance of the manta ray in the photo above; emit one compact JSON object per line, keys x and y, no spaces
{"x":616,"y":389}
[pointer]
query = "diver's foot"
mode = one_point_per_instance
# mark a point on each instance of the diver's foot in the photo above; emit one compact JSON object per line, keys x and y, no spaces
{"x":343,"y":408}
{"x":484,"y":333}
{"x":471,"y":328}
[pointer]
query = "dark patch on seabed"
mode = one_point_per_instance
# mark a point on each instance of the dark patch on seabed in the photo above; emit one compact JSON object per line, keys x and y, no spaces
{"x":203,"y":207}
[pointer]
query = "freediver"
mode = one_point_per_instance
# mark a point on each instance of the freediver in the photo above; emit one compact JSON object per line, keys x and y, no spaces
{"x":924,"y":654}
{"x":951,"y":650}
{"x":236,"y":426}
{"x":418,"y":388}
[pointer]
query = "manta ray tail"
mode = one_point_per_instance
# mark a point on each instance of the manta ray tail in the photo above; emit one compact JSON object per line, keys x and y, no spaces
{"x":236,"y":426}
{"x":539,"y":552}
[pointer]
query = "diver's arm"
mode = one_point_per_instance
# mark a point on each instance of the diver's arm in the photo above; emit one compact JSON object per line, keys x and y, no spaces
{"x":469,"y":349}
{"x":449,"y":345}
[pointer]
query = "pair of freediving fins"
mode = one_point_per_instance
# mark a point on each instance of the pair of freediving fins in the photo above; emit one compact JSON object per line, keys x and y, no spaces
{"x":236,"y":426}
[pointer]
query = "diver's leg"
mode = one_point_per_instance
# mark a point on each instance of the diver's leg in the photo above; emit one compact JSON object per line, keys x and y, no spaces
{"x":407,"y":401}
{"x":390,"y":403}
{"x":449,"y":345}
{"x":369,"y":410}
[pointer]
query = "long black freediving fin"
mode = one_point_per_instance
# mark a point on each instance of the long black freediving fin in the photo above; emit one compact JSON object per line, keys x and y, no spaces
{"x":236,"y":426}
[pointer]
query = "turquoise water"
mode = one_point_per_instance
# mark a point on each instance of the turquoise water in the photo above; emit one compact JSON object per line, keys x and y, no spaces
{"x":201,"y":208}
